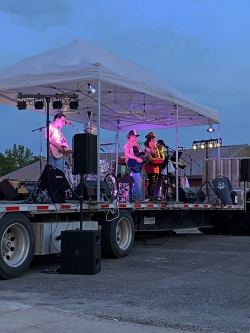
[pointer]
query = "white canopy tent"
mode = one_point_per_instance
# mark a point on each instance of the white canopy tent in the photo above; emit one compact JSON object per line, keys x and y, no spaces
{"x":128,"y":95}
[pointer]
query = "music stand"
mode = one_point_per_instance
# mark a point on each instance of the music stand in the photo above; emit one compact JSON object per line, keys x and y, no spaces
{"x":191,"y":162}
{"x":173,"y":157}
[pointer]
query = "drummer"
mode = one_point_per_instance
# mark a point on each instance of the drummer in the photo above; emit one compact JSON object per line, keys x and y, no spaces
{"x":152,"y":170}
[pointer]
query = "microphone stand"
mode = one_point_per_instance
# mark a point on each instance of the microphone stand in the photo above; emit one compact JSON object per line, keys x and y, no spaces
{"x":191,"y":162}
{"x":73,"y":126}
{"x":166,"y":184}
{"x":41,"y":154}
{"x":167,"y":194}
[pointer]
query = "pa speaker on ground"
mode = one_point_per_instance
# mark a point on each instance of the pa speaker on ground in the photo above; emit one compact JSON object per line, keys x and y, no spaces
{"x":81,"y":252}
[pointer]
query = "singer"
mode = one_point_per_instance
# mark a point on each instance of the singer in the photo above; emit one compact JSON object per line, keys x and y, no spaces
{"x":59,"y":147}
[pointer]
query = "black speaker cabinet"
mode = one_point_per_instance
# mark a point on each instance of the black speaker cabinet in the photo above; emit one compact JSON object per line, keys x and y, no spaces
{"x":84,"y":156}
{"x":81,"y":252}
{"x":90,"y":190}
{"x":188,"y":194}
{"x":245,"y":170}
{"x":13,"y":189}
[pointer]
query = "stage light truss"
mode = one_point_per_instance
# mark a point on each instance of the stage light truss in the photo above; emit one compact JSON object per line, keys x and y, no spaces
{"x":39,"y":100}
{"x":205,"y":144}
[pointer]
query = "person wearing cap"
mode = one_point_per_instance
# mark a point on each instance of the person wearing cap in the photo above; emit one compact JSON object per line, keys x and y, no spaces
{"x":59,"y":147}
{"x":131,"y":150}
{"x":151,"y":169}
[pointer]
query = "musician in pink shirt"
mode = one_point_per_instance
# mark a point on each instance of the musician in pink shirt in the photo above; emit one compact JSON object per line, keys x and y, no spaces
{"x":59,"y":147}
{"x":131,"y":150}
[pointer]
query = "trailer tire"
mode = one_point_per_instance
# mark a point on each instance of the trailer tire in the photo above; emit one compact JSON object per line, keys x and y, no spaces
{"x":17,"y":243}
{"x":118,"y":235}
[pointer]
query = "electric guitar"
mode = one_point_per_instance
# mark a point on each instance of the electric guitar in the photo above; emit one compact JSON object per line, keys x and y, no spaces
{"x":134,"y":165}
{"x":56,"y":154}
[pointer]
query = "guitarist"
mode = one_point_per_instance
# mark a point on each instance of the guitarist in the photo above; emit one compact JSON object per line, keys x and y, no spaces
{"x":131,"y":150}
{"x":58,"y":144}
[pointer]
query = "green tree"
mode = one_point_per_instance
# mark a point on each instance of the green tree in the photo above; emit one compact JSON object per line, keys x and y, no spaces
{"x":16,"y":158}
{"x":2,"y":161}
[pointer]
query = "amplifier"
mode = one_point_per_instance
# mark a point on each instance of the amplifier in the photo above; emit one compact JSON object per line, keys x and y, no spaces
{"x":90,"y":190}
{"x":188,"y":194}
{"x":13,"y":189}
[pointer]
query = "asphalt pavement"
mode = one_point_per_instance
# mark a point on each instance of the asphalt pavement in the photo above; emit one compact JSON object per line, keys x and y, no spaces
{"x":184,"y":283}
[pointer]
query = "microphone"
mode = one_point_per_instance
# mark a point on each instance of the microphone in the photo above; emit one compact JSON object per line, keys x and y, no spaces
{"x":67,"y":122}
{"x":162,"y":143}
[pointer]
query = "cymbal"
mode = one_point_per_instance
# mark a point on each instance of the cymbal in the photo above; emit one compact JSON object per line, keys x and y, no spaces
{"x":107,"y":144}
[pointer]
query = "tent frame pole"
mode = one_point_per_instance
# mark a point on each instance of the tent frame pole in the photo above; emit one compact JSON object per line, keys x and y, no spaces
{"x":98,"y":139}
{"x":177,"y":155}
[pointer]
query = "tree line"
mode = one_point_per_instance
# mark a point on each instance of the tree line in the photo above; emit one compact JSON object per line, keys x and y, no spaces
{"x":16,"y":158}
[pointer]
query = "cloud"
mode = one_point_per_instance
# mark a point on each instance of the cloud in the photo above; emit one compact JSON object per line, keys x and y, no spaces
{"x":37,"y":14}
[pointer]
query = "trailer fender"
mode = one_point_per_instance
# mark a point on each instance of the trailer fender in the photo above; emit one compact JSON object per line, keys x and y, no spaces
{"x":117,"y":234}
{"x":17,"y":243}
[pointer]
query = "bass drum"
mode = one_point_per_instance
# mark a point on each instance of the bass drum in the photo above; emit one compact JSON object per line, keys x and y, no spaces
{"x":113,"y":183}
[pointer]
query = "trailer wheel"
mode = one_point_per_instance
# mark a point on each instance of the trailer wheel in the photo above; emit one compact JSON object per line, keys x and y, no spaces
{"x":17,"y":243}
{"x":118,"y":235}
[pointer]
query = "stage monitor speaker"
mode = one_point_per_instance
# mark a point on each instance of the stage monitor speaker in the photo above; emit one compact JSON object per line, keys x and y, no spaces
{"x":90,"y":190}
{"x":84,"y":156}
{"x":188,"y":194}
{"x":13,"y":189}
{"x":245,"y":170}
{"x":81,"y":252}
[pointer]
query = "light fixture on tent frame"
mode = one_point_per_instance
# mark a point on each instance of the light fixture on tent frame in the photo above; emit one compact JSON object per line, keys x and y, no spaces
{"x":91,"y":90}
{"x":210,"y":129}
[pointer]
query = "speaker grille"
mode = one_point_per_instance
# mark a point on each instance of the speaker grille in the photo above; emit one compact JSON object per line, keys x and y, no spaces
{"x":81,"y":252}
